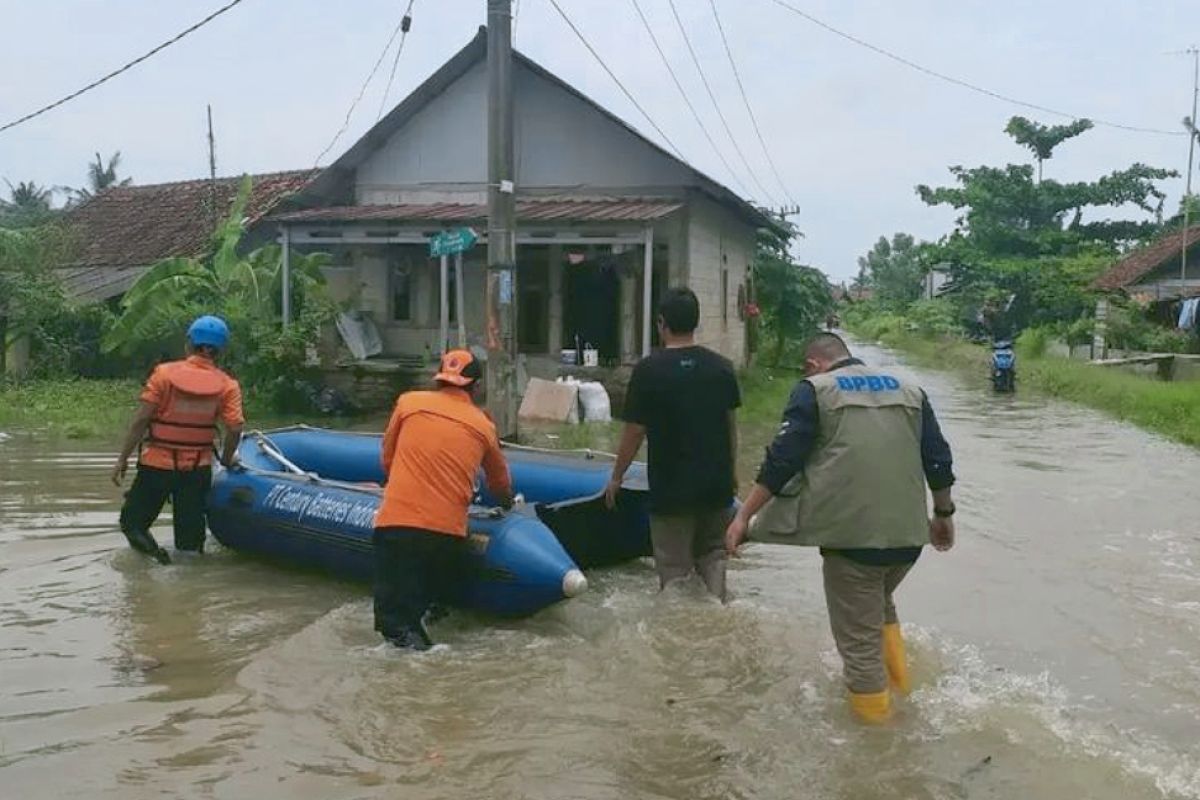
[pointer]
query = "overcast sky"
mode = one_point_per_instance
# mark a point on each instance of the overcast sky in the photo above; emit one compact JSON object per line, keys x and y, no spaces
{"x":851,"y":131}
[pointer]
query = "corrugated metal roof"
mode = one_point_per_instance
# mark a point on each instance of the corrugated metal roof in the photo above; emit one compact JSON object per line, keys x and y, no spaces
{"x":98,"y":283}
{"x":541,"y":210}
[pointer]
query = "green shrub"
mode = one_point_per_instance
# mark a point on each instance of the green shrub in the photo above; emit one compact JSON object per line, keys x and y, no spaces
{"x":935,"y":318}
{"x":1032,"y":342}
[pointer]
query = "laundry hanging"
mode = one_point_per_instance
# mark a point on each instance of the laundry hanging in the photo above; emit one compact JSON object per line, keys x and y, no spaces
{"x":1187,"y":313}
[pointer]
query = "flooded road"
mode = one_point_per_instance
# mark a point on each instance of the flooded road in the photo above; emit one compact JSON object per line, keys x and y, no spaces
{"x":1056,"y":650}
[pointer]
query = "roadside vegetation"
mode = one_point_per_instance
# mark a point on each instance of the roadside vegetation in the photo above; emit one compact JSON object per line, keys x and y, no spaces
{"x":85,"y":360}
{"x":1020,"y":262}
{"x":77,"y":409}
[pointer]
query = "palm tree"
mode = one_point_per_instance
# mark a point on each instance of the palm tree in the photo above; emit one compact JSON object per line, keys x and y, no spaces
{"x":28,"y":204}
{"x":100,"y":177}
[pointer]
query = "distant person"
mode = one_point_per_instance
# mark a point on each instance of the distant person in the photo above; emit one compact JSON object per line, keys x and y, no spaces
{"x":847,"y":472}
{"x":683,"y":399}
{"x":175,"y":427}
{"x":434,"y":446}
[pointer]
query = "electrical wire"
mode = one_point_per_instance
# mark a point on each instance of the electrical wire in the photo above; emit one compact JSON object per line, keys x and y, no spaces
{"x":122,"y":69}
{"x":686,"y":99}
{"x":362,"y":91}
{"x":712,"y":96}
{"x":616,"y":80}
{"x":965,"y":84}
{"x":405,"y":25}
{"x":746,"y":100}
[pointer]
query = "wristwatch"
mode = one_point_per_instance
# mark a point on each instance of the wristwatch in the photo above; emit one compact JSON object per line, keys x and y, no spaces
{"x":944,"y":513}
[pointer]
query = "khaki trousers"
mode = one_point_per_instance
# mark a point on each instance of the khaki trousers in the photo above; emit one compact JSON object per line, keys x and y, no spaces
{"x":859,"y":598}
{"x":695,"y":541}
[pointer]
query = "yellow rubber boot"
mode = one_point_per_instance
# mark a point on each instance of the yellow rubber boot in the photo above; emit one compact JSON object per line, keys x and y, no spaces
{"x":874,"y":708}
{"x":894,"y":658}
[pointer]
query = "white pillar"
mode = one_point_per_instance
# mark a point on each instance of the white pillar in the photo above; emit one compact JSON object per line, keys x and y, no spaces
{"x":286,"y":278}
{"x":1100,"y":330}
{"x":444,"y":305}
{"x":459,"y":303}
{"x":647,"y":285}
{"x":629,"y":314}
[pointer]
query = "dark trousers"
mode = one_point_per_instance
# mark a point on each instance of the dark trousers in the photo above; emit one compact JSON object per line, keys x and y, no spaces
{"x":188,"y":491}
{"x":414,"y":568}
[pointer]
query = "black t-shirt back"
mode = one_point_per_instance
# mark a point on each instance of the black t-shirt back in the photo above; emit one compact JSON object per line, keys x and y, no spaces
{"x":683,"y":397}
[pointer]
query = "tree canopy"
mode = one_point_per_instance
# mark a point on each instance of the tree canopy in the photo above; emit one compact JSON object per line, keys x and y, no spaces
{"x":794,"y":298}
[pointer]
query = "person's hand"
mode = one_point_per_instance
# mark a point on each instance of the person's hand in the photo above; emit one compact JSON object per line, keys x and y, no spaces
{"x":735,"y":534}
{"x":234,"y":464}
{"x":118,"y":473}
{"x":941,"y":533}
{"x":611,"y":492}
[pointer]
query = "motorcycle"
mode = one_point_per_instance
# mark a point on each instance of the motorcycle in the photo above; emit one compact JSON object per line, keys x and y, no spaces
{"x":1004,"y":366}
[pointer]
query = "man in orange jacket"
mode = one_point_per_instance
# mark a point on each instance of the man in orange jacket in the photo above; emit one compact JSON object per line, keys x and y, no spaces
{"x":174,"y":428}
{"x":435,"y":444}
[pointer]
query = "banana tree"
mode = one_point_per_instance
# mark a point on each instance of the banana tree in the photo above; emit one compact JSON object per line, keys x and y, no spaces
{"x":245,"y":289}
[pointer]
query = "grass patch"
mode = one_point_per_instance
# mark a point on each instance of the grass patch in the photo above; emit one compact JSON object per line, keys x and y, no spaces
{"x":1171,"y":409}
{"x":77,"y":409}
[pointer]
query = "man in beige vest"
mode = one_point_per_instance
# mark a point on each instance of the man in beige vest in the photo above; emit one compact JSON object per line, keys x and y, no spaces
{"x":847,"y":472}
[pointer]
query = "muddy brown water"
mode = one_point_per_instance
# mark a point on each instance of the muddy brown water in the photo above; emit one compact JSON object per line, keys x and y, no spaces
{"x":1056,"y":650}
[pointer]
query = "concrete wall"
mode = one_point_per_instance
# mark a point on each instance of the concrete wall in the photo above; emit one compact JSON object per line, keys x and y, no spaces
{"x":360,"y":277}
{"x":440,"y":154}
{"x":716,"y":242}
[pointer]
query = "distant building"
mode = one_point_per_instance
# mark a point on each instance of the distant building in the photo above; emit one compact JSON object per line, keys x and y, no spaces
{"x":1153,"y":272}
{"x":935,"y":282}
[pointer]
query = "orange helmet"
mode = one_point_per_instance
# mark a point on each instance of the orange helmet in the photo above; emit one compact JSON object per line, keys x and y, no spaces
{"x":458,"y":368}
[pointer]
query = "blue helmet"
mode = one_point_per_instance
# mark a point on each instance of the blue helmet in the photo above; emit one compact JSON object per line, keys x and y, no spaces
{"x":209,"y":330}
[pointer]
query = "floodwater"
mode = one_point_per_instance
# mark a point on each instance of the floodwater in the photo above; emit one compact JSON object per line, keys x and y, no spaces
{"x":1056,"y":649}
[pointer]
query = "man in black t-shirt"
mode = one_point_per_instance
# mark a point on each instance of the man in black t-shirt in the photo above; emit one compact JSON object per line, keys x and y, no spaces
{"x":683,"y":400}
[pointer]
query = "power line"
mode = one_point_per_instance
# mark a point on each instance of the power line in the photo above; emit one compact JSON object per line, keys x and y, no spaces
{"x":711,"y":96}
{"x":363,"y":90}
{"x":122,"y":69}
{"x":686,"y":99}
{"x":616,"y":80}
{"x":749,"y":109}
{"x":964,"y":84}
{"x":405,"y":25}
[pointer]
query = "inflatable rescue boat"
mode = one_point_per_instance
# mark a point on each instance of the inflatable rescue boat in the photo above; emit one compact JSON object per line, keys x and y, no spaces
{"x":308,"y":496}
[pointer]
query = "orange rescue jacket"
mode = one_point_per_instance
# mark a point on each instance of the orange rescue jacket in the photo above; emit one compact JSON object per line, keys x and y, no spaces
{"x":190,"y":395}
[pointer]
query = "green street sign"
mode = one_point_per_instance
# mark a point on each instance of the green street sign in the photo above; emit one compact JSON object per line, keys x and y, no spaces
{"x":447,"y":243}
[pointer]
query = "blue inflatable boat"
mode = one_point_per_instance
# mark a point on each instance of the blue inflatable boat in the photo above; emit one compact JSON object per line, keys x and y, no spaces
{"x":308,"y":497}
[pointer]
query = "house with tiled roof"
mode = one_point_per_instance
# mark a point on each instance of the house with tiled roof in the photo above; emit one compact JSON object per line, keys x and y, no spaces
{"x":120,"y":232}
{"x":1154,"y":271}
{"x":606,"y":220}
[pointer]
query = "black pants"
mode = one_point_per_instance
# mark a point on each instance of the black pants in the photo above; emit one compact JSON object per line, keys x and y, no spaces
{"x":188,"y":491}
{"x":414,"y":568}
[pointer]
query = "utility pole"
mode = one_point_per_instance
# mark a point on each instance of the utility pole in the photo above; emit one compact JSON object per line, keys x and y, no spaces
{"x":501,"y":226}
{"x":1190,"y":124}
{"x":212,"y":171}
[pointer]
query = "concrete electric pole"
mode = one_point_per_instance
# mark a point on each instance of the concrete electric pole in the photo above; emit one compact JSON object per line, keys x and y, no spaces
{"x":1190,"y":124}
{"x":501,"y":226}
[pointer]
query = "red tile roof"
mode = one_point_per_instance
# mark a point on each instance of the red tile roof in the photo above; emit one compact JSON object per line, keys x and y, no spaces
{"x":531,"y":210}
{"x":1140,"y":263}
{"x":125,"y":229}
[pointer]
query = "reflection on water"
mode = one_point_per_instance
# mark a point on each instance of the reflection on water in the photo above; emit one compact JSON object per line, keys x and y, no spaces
{"x":1056,"y":650}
